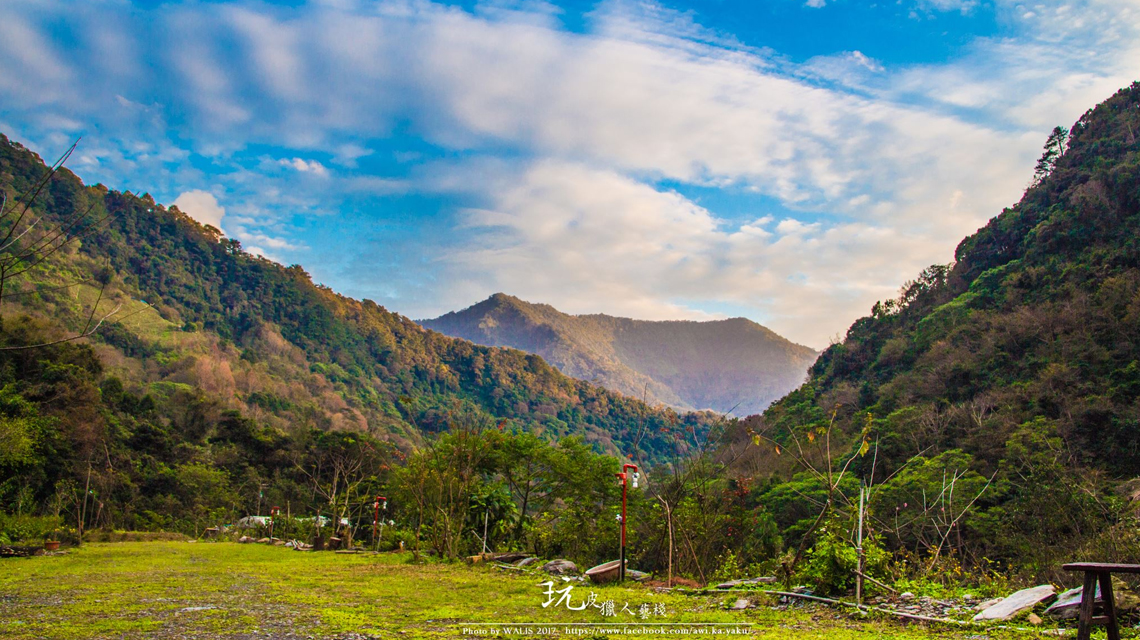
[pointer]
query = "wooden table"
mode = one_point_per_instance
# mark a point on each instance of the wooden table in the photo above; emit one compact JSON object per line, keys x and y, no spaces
{"x":1101,"y":571}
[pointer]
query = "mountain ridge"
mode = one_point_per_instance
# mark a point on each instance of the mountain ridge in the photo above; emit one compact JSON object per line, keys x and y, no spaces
{"x":1018,"y":365}
{"x":730,"y":365}
{"x":265,"y":340}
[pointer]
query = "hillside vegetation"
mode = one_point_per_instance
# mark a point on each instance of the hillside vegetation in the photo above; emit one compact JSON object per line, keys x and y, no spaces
{"x":991,"y":410}
{"x":730,"y":365}
{"x":1011,"y":376}
{"x":221,"y":382}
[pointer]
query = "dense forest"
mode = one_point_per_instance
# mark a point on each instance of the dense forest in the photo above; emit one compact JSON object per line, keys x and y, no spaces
{"x":988,"y":415}
{"x":209,"y":382}
{"x":1006,"y":382}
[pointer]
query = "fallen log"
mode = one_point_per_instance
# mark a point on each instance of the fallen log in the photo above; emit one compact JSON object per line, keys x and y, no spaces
{"x":874,"y":581}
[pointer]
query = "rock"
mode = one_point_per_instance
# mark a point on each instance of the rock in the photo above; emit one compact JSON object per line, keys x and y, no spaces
{"x":560,"y":567}
{"x":1125,"y":598}
{"x":740,"y":605}
{"x":263,"y":541}
{"x":906,"y":595}
{"x":1068,"y":604}
{"x":633,"y":574}
{"x":967,"y":597}
{"x":986,"y":604}
{"x":20,"y":551}
{"x":245,"y":540}
{"x":1017,"y":603}
{"x":1034,"y":619}
{"x":526,"y":561}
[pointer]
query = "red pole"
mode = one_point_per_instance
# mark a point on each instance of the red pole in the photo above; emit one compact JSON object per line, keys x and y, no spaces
{"x":624,"y":484}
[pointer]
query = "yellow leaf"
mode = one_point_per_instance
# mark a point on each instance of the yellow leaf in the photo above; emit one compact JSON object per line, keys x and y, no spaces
{"x":811,"y":436}
{"x":777,"y":449}
{"x":865,"y":448}
{"x":756,"y":440}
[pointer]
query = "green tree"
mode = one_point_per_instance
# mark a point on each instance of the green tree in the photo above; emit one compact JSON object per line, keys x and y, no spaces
{"x":1055,"y":147}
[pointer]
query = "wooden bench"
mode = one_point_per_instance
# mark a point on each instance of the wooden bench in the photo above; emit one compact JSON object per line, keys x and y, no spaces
{"x":1102,"y":572}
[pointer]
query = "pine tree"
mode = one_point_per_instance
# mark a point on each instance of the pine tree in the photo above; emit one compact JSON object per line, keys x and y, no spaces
{"x":1054,"y":148}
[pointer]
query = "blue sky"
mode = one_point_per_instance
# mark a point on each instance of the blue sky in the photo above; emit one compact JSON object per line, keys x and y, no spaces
{"x":791,"y":161}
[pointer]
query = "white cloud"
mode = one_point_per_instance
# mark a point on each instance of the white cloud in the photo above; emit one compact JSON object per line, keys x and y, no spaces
{"x":347,"y":154}
{"x":305,"y":166}
{"x":880,"y":168}
{"x":599,"y":241}
{"x":961,"y":6}
{"x":202,"y":206}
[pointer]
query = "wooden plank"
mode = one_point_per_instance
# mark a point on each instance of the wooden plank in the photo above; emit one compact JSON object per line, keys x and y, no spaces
{"x":1102,"y":567}
{"x":1088,"y":594}
{"x":1109,"y":606}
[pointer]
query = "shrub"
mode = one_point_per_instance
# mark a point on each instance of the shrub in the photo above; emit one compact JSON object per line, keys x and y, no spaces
{"x":833,"y":560}
{"x":25,"y":528}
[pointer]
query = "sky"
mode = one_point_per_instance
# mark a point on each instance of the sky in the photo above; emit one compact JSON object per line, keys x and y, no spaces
{"x":789,"y":161}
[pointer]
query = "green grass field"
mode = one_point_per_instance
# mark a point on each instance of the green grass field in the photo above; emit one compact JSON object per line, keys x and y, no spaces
{"x":225,"y":590}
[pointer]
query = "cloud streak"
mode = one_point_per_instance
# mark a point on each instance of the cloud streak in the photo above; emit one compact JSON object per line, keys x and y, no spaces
{"x":562,"y":158}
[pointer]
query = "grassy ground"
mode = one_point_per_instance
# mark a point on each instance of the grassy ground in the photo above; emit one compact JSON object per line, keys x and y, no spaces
{"x":225,"y":590}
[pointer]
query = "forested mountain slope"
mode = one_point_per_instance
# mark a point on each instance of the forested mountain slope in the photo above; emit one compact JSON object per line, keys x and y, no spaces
{"x":1018,"y":364}
{"x":726,"y":365}
{"x":265,"y":340}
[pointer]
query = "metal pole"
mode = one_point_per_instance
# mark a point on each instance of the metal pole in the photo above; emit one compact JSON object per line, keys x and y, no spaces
{"x":83,"y":513}
{"x":486,"y":516}
{"x":859,"y":551}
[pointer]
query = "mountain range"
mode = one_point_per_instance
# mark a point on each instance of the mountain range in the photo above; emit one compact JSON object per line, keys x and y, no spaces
{"x":729,"y":366}
{"x":201,"y":321}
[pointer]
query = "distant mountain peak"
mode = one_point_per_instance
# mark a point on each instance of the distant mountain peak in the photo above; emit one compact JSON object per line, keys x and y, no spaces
{"x":686,"y":364}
